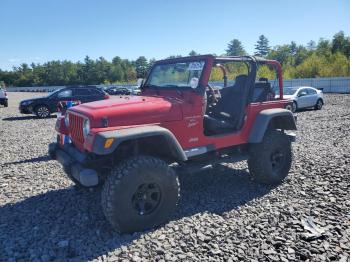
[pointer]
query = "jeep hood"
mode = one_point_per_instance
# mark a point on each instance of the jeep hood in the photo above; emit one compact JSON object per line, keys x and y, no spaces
{"x":131,"y":110}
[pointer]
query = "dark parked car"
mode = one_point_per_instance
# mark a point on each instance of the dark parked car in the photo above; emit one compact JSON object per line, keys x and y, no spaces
{"x":3,"y":97}
{"x":44,"y":106}
{"x":118,"y":91}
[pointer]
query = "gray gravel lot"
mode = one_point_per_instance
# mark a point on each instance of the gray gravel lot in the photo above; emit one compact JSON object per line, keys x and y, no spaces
{"x":222,"y":215}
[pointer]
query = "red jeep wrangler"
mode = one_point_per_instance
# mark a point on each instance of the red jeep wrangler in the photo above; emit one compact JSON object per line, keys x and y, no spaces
{"x":132,"y":145}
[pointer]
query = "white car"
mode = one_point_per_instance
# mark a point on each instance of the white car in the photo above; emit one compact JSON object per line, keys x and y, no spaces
{"x":3,"y":97}
{"x":303,"y":97}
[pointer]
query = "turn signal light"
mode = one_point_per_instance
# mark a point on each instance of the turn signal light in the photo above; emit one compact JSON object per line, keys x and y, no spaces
{"x":109,"y":142}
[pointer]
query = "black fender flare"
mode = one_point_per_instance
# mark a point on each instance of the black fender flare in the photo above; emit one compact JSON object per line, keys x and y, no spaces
{"x":276,"y":118}
{"x":133,"y":133}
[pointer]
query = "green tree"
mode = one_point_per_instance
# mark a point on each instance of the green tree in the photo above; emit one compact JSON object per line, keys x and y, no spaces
{"x":141,"y":65}
{"x":193,"y":53}
{"x":311,"y":45}
{"x":301,"y":54}
{"x":235,"y":48}
{"x":293,"y":48}
{"x":324,"y":47}
{"x":341,"y":43}
{"x":174,"y":56}
{"x":281,"y":53}
{"x":262,"y":46}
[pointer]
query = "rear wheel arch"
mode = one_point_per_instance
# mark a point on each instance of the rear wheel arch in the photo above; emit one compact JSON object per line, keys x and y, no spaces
{"x":269,"y":119}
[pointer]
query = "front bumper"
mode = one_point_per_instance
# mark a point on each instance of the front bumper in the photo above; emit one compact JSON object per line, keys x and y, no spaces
{"x":25,"y":109}
{"x":74,"y":164}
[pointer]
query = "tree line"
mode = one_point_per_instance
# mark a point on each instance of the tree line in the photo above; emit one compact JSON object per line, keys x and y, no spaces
{"x":326,"y":58}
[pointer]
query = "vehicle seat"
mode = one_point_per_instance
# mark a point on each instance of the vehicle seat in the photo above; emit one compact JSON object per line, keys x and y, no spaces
{"x":261,"y":91}
{"x":226,"y":115}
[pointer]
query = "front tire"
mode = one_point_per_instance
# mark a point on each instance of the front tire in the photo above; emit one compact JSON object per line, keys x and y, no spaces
{"x":42,"y":111}
{"x":294,"y":107}
{"x":140,"y":193}
{"x":319,"y":104}
{"x":270,"y":161}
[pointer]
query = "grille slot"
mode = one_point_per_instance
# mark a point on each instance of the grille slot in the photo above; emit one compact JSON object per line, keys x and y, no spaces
{"x":76,"y":128}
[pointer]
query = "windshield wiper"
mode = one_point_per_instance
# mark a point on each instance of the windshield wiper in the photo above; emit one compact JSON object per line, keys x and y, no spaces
{"x":170,"y":86}
{"x":152,"y":86}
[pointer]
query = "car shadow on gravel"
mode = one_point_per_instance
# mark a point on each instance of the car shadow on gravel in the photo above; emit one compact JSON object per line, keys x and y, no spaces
{"x":30,"y":160}
{"x":302,"y":110}
{"x":69,"y":223}
{"x":217,"y":190}
{"x":18,"y":118}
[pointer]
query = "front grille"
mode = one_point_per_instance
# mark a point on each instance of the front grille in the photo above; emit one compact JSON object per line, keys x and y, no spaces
{"x":76,"y":128}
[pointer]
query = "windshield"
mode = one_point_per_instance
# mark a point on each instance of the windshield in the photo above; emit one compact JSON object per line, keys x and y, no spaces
{"x":181,"y":74}
{"x":287,"y":91}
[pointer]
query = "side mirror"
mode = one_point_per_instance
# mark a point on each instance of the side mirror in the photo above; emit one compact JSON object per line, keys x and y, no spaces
{"x":194,"y":82}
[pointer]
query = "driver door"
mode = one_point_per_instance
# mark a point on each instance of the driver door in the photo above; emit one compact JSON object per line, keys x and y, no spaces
{"x":64,"y":95}
{"x":302,"y":98}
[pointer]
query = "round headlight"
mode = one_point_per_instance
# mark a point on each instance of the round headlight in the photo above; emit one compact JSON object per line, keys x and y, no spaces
{"x":86,"y":127}
{"x":66,"y":120}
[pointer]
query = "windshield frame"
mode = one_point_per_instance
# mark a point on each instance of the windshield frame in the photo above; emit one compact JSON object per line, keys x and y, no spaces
{"x":204,"y":59}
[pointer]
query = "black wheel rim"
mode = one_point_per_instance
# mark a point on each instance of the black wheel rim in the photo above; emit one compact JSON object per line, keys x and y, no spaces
{"x":277,"y":160}
{"x":146,"y":198}
{"x":319,"y":104}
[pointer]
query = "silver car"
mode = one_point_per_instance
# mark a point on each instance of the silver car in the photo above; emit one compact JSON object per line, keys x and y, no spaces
{"x":304,"y":97}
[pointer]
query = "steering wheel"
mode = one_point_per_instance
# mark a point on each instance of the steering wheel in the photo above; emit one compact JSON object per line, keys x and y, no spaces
{"x":212,"y":97}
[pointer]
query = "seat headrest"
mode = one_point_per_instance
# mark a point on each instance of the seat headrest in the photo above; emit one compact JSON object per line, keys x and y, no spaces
{"x":240,"y":80}
{"x":263,"y":79}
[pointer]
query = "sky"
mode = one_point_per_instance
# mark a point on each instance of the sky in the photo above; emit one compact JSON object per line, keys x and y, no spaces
{"x":41,"y":30}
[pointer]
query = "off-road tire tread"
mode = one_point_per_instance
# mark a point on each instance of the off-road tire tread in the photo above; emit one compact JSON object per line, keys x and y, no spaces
{"x":258,"y":166}
{"x":117,"y":174}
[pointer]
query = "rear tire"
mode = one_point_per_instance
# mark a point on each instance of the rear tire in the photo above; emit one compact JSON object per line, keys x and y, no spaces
{"x":318,"y":105}
{"x":42,"y":111}
{"x":6,"y":103}
{"x":289,"y":107}
{"x":270,"y":161}
{"x":140,"y":193}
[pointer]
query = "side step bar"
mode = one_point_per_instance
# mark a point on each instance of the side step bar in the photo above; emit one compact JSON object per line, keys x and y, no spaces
{"x":198,"y":166}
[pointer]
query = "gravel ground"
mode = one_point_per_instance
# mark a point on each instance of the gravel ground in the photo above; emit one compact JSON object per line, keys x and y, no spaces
{"x":222,"y":214}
